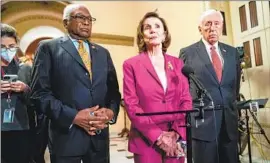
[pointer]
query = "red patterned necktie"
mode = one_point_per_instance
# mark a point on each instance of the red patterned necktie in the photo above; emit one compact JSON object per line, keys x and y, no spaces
{"x":216,"y":62}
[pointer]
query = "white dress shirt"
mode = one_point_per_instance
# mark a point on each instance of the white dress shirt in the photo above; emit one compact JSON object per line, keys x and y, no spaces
{"x":161,"y":74}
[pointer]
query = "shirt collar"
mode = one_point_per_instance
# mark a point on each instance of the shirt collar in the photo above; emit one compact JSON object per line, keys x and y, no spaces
{"x":75,"y":40}
{"x":208,"y":46}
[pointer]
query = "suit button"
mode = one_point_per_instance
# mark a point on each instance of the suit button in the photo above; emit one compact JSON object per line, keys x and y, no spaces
{"x":163,"y":101}
{"x":86,"y":74}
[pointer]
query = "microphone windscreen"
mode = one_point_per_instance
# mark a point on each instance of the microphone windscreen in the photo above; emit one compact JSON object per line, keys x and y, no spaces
{"x":187,"y":70}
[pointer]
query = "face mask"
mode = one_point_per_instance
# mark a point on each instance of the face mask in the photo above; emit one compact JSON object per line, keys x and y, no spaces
{"x":8,"y":55}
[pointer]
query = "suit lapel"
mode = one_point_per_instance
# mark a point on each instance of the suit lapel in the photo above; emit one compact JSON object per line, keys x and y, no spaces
{"x":225,"y":58}
{"x":145,"y":60}
{"x":71,"y":49}
{"x":201,"y":51}
{"x":97,"y":63}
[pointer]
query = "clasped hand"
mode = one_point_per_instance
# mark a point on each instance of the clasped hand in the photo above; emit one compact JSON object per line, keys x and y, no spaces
{"x":167,"y":142}
{"x":93,"y":119}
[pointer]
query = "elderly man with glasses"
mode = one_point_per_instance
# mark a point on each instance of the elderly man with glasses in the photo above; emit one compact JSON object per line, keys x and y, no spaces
{"x":216,"y":65}
{"x":75,"y":85}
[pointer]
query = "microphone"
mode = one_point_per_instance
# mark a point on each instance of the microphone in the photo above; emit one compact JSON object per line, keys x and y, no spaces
{"x":189,"y":73}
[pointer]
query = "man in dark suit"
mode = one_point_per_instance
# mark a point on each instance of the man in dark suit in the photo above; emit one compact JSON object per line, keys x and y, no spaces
{"x":74,"y":84}
{"x":216,"y":65}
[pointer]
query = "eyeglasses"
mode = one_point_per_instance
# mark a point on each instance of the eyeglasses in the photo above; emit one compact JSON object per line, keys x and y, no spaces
{"x":81,"y":18}
{"x":12,"y":49}
{"x":210,"y":24}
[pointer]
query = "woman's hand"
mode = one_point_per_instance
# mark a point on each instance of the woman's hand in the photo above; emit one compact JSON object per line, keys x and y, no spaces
{"x":19,"y":86}
{"x":167,"y":142}
{"x":5,"y":86}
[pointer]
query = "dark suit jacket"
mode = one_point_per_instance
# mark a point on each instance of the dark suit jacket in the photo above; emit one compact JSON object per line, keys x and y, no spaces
{"x":61,"y":87}
{"x":224,"y":94}
{"x":23,"y":114}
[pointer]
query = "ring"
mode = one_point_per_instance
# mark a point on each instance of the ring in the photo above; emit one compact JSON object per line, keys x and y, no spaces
{"x":98,"y":131}
{"x":92,"y":114}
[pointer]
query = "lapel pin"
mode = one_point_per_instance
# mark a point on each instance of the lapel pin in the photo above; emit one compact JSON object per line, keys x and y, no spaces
{"x":223,"y":50}
{"x":94,"y":48}
{"x":170,"y":66}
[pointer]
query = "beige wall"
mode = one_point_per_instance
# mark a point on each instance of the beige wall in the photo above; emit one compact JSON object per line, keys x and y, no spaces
{"x":115,"y":17}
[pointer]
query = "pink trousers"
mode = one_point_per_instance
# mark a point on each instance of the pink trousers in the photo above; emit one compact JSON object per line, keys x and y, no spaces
{"x":156,"y":158}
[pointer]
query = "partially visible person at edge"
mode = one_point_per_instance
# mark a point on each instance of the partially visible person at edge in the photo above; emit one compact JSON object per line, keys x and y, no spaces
{"x":74,"y":83}
{"x":217,"y":67}
{"x":153,"y":82}
{"x":15,"y":121}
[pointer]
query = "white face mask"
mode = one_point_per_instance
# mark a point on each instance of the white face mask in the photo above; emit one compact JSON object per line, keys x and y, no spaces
{"x":8,"y":55}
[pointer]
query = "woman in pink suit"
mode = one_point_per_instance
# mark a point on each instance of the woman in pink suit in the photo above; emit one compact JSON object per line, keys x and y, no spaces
{"x":153,"y":82}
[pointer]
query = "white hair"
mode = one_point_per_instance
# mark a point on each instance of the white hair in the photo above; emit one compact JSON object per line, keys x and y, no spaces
{"x":69,"y":8}
{"x":207,"y":13}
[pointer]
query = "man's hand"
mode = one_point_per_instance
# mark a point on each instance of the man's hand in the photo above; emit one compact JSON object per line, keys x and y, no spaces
{"x":102,"y":112}
{"x":85,"y":120}
{"x":105,"y":112}
{"x":19,"y":86}
{"x":5,"y":86}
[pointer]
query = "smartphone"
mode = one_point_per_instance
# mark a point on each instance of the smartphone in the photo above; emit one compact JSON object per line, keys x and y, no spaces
{"x":10,"y":78}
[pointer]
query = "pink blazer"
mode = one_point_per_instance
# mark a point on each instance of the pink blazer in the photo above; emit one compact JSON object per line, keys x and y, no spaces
{"x":143,"y":92}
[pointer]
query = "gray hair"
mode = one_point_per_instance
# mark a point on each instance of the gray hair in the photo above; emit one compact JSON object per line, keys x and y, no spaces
{"x":69,"y":8}
{"x":207,"y":13}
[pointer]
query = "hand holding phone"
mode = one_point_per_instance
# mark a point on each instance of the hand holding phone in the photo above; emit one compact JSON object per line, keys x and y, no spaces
{"x":19,"y":86}
{"x":6,"y":82}
{"x":10,"y":78}
{"x":5,"y":86}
